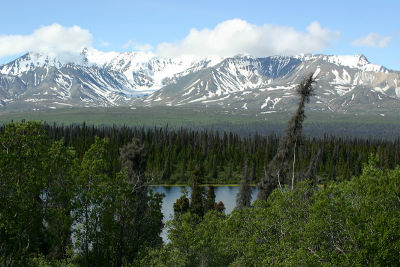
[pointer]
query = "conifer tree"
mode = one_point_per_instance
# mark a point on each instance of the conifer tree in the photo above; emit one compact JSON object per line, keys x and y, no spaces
{"x":214,"y":168}
{"x":166,"y":171}
{"x":283,"y":163}
{"x":181,"y":205}
{"x":229,"y":175}
{"x":243,"y":198}
{"x":210,"y":199}
{"x":220,"y":207}
{"x":253,"y":172}
{"x":132,"y":215}
{"x":196,"y":198}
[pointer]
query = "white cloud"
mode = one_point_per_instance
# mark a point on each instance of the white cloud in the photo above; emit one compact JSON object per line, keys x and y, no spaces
{"x":104,"y":43}
{"x":127,"y":44}
{"x":142,"y":47}
{"x":228,"y":38}
{"x":373,"y":40}
{"x":53,"y":40}
{"x":137,"y":46}
{"x":237,"y":36}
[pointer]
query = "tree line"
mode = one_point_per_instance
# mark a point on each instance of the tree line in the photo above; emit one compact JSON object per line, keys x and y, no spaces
{"x":174,"y":154}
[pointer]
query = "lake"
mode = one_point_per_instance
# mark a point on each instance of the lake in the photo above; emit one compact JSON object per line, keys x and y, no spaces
{"x":226,"y":194}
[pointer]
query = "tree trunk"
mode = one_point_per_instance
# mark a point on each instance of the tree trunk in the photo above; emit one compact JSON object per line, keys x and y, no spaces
{"x":294,"y":162}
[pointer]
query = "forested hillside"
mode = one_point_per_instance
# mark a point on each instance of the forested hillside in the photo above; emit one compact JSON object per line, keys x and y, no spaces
{"x":70,"y":197}
{"x":174,"y":154}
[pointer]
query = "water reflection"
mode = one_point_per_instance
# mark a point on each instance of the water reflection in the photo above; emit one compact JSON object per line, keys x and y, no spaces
{"x":226,"y":194}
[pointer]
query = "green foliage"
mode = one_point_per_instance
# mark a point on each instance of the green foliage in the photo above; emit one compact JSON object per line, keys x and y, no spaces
{"x":42,"y":261}
{"x":59,"y":193}
{"x":197,"y":241}
{"x":176,"y":153}
{"x":83,"y":200}
{"x":116,"y":218}
{"x":197,"y":195}
{"x":209,"y":203}
{"x":356,"y":222}
{"x":243,"y":197}
{"x":347,"y":223}
{"x":93,"y":195}
{"x":58,"y":208}
{"x":23,"y":175}
{"x":181,"y":206}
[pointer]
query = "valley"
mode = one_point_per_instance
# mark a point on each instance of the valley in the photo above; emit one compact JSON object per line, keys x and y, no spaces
{"x":247,"y":122}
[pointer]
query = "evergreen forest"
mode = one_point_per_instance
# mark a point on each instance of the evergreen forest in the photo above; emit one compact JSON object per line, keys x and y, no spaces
{"x":80,"y":195}
{"x":173,"y":155}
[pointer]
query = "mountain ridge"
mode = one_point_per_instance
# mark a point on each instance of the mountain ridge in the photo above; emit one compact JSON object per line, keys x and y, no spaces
{"x":344,"y":83}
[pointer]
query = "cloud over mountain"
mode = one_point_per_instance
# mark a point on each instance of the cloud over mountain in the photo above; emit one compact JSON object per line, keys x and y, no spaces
{"x":238,"y":36}
{"x":373,"y":40}
{"x":229,"y":38}
{"x":54,"y":40}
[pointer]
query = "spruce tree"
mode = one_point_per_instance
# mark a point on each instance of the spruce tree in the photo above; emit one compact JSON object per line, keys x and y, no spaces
{"x":229,"y":174}
{"x":214,"y":168}
{"x":281,"y":169}
{"x":133,"y":211}
{"x":196,"y":198}
{"x":220,"y":207}
{"x":181,"y":206}
{"x":166,"y":171}
{"x":210,"y":199}
{"x":253,"y":172}
{"x":243,"y":198}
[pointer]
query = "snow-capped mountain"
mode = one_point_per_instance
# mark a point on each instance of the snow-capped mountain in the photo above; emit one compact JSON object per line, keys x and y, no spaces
{"x":344,"y":84}
{"x":39,"y":82}
{"x":95,"y":78}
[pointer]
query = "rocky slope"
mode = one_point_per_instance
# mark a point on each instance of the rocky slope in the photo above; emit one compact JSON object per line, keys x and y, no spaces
{"x":344,"y":83}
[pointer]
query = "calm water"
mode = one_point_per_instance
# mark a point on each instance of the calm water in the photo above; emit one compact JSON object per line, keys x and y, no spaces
{"x":226,"y":194}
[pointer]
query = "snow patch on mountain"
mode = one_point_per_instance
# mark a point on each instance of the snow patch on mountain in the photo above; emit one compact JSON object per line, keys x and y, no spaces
{"x":270,"y":103}
{"x":352,"y":61}
{"x":241,"y":82}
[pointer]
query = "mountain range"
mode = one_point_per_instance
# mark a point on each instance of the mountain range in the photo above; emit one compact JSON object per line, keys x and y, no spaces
{"x":345,"y":84}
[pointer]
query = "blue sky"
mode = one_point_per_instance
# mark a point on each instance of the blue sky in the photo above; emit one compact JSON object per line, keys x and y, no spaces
{"x":166,"y":27}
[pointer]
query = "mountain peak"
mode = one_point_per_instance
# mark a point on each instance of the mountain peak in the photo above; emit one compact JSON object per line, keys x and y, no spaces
{"x":112,"y":78}
{"x":352,"y":61}
{"x":358,"y":61}
{"x":29,"y":61}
